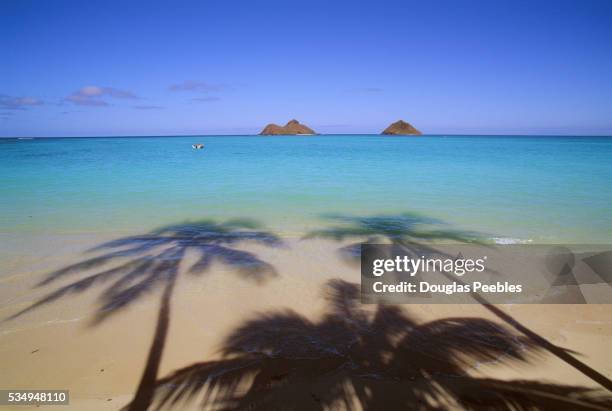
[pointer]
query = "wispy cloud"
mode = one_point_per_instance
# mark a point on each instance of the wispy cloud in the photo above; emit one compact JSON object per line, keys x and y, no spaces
{"x":18,"y":103}
{"x":146,"y":107}
{"x":208,"y":99}
{"x":197,"y":86}
{"x":94,"y":96}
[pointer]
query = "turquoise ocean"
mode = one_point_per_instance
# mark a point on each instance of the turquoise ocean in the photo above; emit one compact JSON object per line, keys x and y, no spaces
{"x":513,"y":188}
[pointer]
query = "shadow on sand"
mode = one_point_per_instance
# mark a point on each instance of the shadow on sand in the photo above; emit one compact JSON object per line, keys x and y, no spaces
{"x":130,"y":268}
{"x":354,"y":357}
{"x":413,"y":233}
{"x":369,"y":358}
{"x":406,"y":230}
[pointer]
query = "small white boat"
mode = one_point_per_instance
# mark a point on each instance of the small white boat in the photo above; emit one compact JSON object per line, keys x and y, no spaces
{"x":197,"y":146}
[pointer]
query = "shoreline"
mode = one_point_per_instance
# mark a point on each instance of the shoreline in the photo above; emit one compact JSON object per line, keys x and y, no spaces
{"x":102,"y":362}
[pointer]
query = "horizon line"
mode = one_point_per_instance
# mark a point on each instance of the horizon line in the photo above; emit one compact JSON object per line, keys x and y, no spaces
{"x":310,"y":135}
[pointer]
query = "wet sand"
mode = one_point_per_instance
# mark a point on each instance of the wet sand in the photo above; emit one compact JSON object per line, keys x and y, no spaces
{"x":59,"y":346}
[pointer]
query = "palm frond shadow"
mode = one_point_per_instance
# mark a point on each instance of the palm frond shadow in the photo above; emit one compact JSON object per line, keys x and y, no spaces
{"x":412,"y":231}
{"x":132,"y":267}
{"x":129,"y":268}
{"x":379,"y":359}
{"x":416,"y":235}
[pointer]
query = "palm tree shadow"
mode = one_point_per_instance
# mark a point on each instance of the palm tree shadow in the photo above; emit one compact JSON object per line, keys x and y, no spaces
{"x":410,"y":231}
{"x":414,"y":235}
{"x":378,"y":359}
{"x":128,"y":269}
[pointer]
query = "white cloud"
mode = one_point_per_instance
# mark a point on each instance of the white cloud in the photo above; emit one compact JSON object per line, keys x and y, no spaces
{"x":18,"y":103}
{"x":93,"y":95}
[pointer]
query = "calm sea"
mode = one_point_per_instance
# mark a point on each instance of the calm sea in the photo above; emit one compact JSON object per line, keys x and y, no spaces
{"x":543,"y":189}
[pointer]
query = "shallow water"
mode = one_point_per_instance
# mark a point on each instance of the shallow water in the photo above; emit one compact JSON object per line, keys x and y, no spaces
{"x":543,"y":189}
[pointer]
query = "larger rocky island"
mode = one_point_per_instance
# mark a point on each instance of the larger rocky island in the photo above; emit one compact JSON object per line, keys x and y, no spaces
{"x":401,"y":128}
{"x":291,"y":128}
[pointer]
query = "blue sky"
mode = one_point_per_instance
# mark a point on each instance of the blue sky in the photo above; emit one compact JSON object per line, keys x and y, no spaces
{"x":95,"y":68}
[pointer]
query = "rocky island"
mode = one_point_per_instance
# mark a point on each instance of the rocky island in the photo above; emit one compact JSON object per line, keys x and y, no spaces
{"x":291,"y":128}
{"x":401,"y":128}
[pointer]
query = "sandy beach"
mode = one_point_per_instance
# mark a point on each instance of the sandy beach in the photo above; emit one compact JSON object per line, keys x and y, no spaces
{"x":61,"y":345}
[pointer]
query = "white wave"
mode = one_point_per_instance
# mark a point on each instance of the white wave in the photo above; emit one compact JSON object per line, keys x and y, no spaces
{"x":510,"y":240}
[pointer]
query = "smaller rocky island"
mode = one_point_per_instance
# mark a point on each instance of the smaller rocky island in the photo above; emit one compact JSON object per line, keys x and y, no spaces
{"x":291,"y":128}
{"x":401,"y":128}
